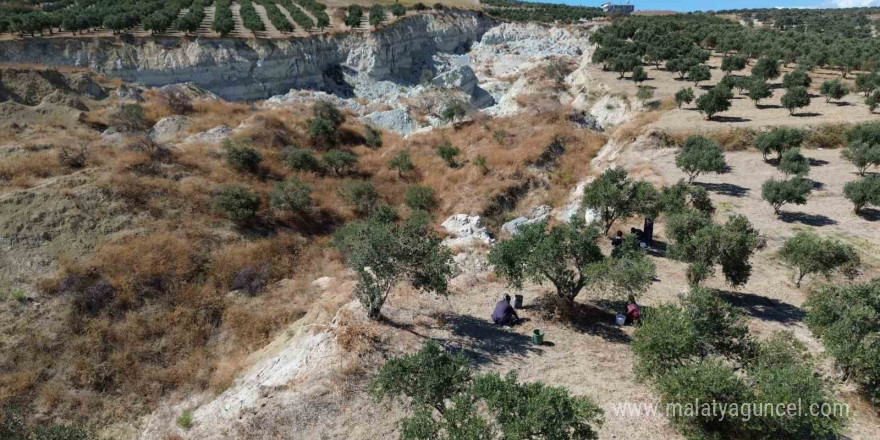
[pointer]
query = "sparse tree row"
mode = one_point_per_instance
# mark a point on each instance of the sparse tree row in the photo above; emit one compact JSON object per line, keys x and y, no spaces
{"x":542,"y":12}
{"x":153,"y":15}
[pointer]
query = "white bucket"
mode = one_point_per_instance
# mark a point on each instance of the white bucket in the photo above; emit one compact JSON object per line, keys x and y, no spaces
{"x":621,"y":319}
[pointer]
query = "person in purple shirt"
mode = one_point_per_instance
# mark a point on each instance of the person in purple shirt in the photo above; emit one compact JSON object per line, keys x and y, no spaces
{"x":504,"y":313}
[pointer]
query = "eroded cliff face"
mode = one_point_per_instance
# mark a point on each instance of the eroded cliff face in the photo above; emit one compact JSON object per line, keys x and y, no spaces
{"x":256,"y":69}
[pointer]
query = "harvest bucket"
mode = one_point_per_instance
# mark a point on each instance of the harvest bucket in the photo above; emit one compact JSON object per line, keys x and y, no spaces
{"x":621,"y":319}
{"x":538,"y":336}
{"x":517,"y":301}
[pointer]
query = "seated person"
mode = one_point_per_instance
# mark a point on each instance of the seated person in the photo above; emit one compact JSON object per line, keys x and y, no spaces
{"x":617,"y":240}
{"x":504,"y":313}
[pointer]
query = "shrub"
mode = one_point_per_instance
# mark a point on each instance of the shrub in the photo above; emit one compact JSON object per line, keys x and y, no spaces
{"x":373,"y":138}
{"x":439,"y":6}
{"x":862,"y":192}
{"x":703,"y":244}
{"x":700,"y":154}
{"x":833,"y":90}
{"x":361,"y":196}
{"x":845,"y":318}
{"x":129,"y":118}
{"x":780,"y":192}
{"x":353,"y":16}
{"x":340,"y":161}
{"x":398,"y":10}
{"x":561,"y":255}
{"x":644,"y":93}
{"x":73,"y":157}
{"x":811,"y":254}
{"x":251,"y":280}
{"x":292,"y":195}
{"x":715,"y":101}
{"x":639,"y":75}
{"x":421,"y":197}
{"x":178,"y":102}
{"x":185,"y":420}
{"x":384,"y":254}
{"x":779,"y":140}
{"x":322,"y":133}
{"x":452,"y":112}
{"x":377,"y":15}
{"x":327,"y":111}
{"x":237,"y":203}
{"x":242,"y":158}
{"x":766,"y":68}
{"x":684,"y":96}
{"x":681,"y":197}
{"x":733,"y":63}
{"x":301,"y":160}
{"x":873,"y":101}
{"x":402,"y":163}
{"x":795,"y":98}
{"x":449,"y":154}
{"x":861,"y":154}
{"x":482,"y":163}
{"x":794,"y":163}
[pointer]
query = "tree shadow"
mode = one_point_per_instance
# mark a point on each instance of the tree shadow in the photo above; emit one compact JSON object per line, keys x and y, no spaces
{"x":729,"y":119}
{"x":763,"y":308}
{"x":818,"y":186}
{"x":806,"y":114}
{"x":768,"y":106}
{"x":583,"y":317}
{"x":726,"y":189}
{"x":870,"y":214}
{"x":817,"y":162}
{"x":816,"y":220}
{"x":484,"y":342}
{"x":842,"y":103}
{"x":657,"y":248}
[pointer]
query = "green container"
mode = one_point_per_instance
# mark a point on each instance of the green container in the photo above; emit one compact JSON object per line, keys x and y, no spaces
{"x":538,"y":336}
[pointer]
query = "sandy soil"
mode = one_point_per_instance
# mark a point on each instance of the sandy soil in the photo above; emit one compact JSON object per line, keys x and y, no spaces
{"x":851,"y":109}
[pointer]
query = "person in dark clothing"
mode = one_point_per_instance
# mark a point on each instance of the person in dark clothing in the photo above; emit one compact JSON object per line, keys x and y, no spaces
{"x":504,"y":313}
{"x":617,"y":240}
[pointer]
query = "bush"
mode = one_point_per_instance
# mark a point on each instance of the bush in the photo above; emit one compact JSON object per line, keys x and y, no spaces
{"x":873,"y":101}
{"x":862,"y":154}
{"x":398,"y":10}
{"x":73,"y":157}
{"x":402,"y":163}
{"x":185,"y":420}
{"x":811,"y":254}
{"x":237,"y":203}
{"x":482,"y":163}
{"x":301,"y":160}
{"x":178,"y":102}
{"x":845,"y":318}
{"x":684,"y":96}
{"x":766,"y":68}
{"x":733,"y":63}
{"x":780,"y":192}
{"x":377,"y":15}
{"x":361,"y":196}
{"x":421,"y":197}
{"x":242,"y":158}
{"x":292,"y":195}
{"x":795,"y":98}
{"x":452,"y":112}
{"x":797,"y":78}
{"x":644,"y":93}
{"x":449,"y":154}
{"x":340,"y":161}
{"x":639,"y":75}
{"x":700,"y":154}
{"x":373,"y":138}
{"x":322,"y":133}
{"x":384,"y":254}
{"x":863,"y":192}
{"x":129,"y":118}
{"x":353,"y":16}
{"x":794,"y":163}
{"x":703,"y":244}
{"x":833,"y":90}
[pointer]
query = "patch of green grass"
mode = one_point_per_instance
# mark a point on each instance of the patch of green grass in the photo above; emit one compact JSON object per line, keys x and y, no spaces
{"x":18,"y":295}
{"x":185,"y":420}
{"x":727,"y":206}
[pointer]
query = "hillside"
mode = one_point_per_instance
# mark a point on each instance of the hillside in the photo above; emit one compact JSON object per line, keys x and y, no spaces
{"x":243,"y":236}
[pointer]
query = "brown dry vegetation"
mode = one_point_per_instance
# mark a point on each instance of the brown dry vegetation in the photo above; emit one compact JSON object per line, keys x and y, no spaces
{"x":148,"y":311}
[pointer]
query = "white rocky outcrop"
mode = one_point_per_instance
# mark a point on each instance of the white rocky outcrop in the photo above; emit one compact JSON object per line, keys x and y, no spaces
{"x":167,"y":128}
{"x":576,"y":203}
{"x":465,"y":230}
{"x":539,"y":214}
{"x":215,"y":135}
{"x":397,"y":120}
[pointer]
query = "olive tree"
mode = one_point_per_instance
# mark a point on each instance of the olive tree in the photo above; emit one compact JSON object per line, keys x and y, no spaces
{"x":794,"y":163}
{"x":733,"y":63}
{"x":292,"y":195}
{"x":562,"y":255}
{"x":778,"y":140}
{"x":700,"y":154}
{"x":810,"y":254}
{"x":698,"y":73}
{"x":862,"y":192}
{"x":714,"y":101}
{"x":402,"y":163}
{"x":703,"y":244}
{"x":862,"y":154}
{"x":795,"y":98}
{"x":758,"y":90}
{"x":447,"y":400}
{"x":383,"y":254}
{"x":833,"y":89}
{"x":613,"y":195}
{"x":780,"y":192}
{"x":684,"y":96}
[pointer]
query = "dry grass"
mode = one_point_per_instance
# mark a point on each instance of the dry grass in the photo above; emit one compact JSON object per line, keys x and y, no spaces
{"x":25,"y":171}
